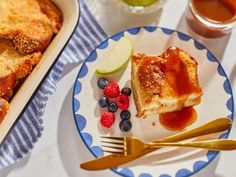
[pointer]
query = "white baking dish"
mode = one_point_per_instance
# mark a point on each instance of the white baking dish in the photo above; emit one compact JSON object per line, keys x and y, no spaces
{"x":25,"y":94}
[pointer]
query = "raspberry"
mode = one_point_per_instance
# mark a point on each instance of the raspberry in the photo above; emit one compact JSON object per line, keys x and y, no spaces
{"x":107,"y":119}
{"x":112,"y":90}
{"x":122,"y":102}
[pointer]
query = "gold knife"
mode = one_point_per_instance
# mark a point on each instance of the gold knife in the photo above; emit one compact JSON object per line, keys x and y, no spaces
{"x":111,"y":161}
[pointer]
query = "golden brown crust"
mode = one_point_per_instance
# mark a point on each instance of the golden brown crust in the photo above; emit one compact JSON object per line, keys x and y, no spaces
{"x":14,"y":66}
{"x":4,"y":106}
{"x":8,"y":95}
{"x":135,"y":96}
{"x":53,"y":13}
{"x":168,"y":74}
{"x":14,"y":63}
{"x":27,"y":65}
{"x":164,"y":83}
{"x":25,"y":44}
{"x":26,"y":29}
{"x":7,"y":82}
{"x":150,"y":75}
{"x":23,"y":22}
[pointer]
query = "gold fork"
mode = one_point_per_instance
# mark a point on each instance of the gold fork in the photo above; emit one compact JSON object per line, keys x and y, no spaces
{"x":132,"y":146}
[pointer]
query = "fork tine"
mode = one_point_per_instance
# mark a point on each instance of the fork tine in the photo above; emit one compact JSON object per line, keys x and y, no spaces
{"x":114,"y":152}
{"x":113,"y":142}
{"x":113,"y":137}
{"x":113,"y":147}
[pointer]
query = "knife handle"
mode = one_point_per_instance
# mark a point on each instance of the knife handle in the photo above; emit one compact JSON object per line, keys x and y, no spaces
{"x":111,"y":161}
{"x":215,"y":126}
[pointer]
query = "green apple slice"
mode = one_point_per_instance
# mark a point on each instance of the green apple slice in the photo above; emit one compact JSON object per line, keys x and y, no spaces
{"x":140,"y":2}
{"x":118,"y":57}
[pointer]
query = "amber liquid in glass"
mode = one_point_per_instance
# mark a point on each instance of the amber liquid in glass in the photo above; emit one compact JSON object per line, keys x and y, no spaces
{"x":211,"y":18}
{"x":217,"y":10}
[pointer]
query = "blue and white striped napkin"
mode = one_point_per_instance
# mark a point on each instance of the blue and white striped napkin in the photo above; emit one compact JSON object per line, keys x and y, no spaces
{"x":29,"y":128}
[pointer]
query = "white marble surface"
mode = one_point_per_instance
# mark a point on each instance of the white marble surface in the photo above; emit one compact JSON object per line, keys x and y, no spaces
{"x":60,"y":149}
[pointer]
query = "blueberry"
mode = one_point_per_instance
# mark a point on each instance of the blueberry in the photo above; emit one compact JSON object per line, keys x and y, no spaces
{"x":125,"y":114}
{"x":102,"y":82}
{"x":126,"y":91}
{"x":125,"y":125}
{"x":103,"y":102}
{"x":112,"y":107}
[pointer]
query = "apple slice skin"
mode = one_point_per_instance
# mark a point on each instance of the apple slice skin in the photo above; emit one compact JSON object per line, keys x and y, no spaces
{"x":103,"y":72}
{"x":115,"y":52}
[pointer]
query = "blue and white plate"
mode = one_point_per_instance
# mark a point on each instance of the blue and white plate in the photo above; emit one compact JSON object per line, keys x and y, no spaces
{"x":217,"y":101}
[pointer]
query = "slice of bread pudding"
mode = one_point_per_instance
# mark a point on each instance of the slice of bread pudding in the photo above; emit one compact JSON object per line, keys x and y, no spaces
{"x":164,"y":83}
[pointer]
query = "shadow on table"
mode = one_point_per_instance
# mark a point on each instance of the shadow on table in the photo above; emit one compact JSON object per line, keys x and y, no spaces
{"x":18,"y":165}
{"x":71,"y":147}
{"x":68,"y":140}
{"x":232,"y":76}
{"x":69,"y":67}
{"x":215,"y":45}
{"x":210,"y":169}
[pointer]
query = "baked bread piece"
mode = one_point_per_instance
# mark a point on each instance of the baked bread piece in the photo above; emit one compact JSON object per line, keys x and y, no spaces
{"x":23,"y":22}
{"x":53,"y":13}
{"x":166,"y":83}
{"x":14,"y":66}
{"x":4,"y":106}
{"x":26,"y":29}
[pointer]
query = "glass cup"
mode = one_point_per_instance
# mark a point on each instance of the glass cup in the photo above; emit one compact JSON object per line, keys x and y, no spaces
{"x":205,"y":26}
{"x":141,"y":6}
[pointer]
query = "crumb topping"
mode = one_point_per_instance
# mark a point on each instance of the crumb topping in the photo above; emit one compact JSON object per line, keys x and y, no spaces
{"x":150,"y":75}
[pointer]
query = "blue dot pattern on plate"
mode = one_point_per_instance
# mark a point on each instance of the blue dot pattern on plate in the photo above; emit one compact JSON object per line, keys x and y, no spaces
{"x":134,"y":31}
{"x":87,"y":138}
{"x":198,"y":45}
{"x":97,"y":150}
{"x":92,"y":57}
{"x":118,"y":36}
{"x":183,"y":172}
{"x":126,"y":172}
{"x":199,"y":165}
{"x":83,"y":71}
{"x":211,"y":57}
{"x":211,"y":155}
{"x":183,"y":36}
{"x":78,"y":88}
{"x":167,"y":31}
{"x":81,"y":121}
{"x":150,"y":28}
{"x":145,"y":175}
{"x":102,"y":46}
{"x":165,"y":175}
{"x":76,"y":105}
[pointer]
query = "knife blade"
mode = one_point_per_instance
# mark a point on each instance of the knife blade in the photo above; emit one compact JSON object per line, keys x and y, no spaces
{"x":111,"y":161}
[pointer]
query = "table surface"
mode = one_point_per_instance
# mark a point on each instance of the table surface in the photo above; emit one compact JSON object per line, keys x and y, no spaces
{"x":60,"y":149}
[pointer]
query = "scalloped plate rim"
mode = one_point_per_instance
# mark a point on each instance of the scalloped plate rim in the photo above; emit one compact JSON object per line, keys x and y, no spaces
{"x":172,"y":31}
